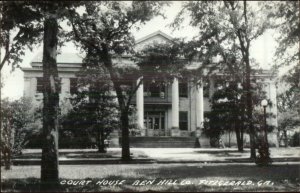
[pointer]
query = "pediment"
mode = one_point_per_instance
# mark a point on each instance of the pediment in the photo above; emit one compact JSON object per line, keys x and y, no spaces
{"x":157,"y":37}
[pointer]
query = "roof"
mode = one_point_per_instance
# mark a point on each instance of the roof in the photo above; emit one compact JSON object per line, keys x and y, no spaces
{"x":154,"y":34}
{"x":65,"y":57}
{"x":74,"y":58}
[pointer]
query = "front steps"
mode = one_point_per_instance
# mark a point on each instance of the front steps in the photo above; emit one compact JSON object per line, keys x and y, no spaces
{"x":161,"y":142}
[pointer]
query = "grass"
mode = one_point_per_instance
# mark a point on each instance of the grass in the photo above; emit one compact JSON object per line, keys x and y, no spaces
{"x":90,"y":153}
{"x":284,"y":177}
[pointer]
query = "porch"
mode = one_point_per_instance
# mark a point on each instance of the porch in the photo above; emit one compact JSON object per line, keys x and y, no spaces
{"x":161,"y":142}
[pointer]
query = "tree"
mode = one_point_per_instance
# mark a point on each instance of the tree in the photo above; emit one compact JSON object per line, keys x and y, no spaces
{"x":19,"y":121}
{"x":226,"y":30}
{"x":288,"y":104}
{"x":6,"y":133}
{"x":104,"y":30}
{"x":228,"y":111}
{"x":94,"y":109}
{"x":162,"y":61}
{"x":284,"y":18}
{"x":20,"y":30}
{"x":41,"y":18}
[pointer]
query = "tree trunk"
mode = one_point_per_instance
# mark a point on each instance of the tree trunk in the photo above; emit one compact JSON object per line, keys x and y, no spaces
{"x":239,"y":137}
{"x":125,"y":136}
{"x":121,"y":100}
{"x":245,"y":46}
{"x":286,"y":143}
{"x":49,"y":164}
{"x":250,"y":107}
{"x":101,"y":145}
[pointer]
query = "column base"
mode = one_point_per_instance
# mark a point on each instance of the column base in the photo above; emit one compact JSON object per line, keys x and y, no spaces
{"x":143,"y":132}
{"x":198,"y":132}
{"x":114,"y":139}
{"x":175,"y":132}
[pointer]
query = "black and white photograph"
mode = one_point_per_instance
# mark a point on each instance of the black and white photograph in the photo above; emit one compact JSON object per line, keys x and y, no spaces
{"x":150,"y":96}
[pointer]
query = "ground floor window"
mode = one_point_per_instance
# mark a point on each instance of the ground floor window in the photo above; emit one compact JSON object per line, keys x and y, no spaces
{"x":154,"y":120}
{"x":183,"y":120}
{"x":73,"y":85}
{"x":40,"y":85}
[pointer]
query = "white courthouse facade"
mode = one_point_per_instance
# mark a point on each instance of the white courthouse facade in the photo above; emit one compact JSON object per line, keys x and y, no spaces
{"x":162,"y":110}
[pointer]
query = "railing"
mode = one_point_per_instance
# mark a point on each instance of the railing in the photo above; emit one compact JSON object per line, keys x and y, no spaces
{"x":154,"y":100}
{"x":159,"y":133}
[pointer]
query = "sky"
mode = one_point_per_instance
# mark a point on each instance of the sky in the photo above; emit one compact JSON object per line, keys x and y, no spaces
{"x":262,"y":49}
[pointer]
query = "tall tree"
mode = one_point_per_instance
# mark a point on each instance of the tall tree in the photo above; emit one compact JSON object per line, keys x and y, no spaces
{"x":49,"y":167}
{"x":284,"y":20}
{"x":227,"y":112}
{"x":20,"y":30}
{"x":94,"y":109}
{"x":33,"y":21}
{"x":226,"y":30}
{"x":104,"y":29}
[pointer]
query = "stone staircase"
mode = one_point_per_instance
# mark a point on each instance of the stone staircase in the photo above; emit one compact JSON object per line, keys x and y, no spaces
{"x":161,"y":142}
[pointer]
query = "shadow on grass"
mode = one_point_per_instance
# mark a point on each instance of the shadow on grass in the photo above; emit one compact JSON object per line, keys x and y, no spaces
{"x":217,"y":151}
{"x":285,"y":178}
{"x":20,"y":185}
{"x":83,"y":154}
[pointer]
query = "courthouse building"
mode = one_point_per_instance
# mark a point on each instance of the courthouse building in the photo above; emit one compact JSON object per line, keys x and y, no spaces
{"x":168,"y":115}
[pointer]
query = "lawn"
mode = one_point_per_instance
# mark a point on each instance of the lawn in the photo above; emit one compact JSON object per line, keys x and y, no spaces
{"x":160,"y":177}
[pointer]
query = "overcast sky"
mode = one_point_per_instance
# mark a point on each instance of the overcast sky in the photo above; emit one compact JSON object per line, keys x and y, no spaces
{"x":262,"y":49}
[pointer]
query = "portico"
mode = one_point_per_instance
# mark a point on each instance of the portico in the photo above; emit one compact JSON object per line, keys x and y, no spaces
{"x":165,"y":114}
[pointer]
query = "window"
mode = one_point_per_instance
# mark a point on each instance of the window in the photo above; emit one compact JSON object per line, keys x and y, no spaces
{"x":183,"y":120}
{"x":206,"y":88}
{"x":39,"y":84}
{"x":73,"y":85}
{"x":154,"y":89}
{"x":183,"y":89}
{"x":154,"y":120}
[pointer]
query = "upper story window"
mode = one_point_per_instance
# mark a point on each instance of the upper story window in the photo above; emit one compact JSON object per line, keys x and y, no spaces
{"x":73,"y":86}
{"x":40,"y":85}
{"x":183,"y":89}
{"x":206,"y":86}
{"x":154,"y":89}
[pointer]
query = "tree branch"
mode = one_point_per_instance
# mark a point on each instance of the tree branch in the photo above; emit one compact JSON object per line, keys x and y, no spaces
{"x":132,"y":93}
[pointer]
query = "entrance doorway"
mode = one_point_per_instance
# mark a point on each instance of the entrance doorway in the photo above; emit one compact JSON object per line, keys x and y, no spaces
{"x":155,"y":123}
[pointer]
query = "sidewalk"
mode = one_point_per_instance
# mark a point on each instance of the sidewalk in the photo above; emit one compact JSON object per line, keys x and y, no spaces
{"x":158,"y":155}
{"x":214,"y":155}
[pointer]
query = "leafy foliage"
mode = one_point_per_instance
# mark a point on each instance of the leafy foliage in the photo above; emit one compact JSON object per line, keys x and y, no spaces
{"x":104,"y":29}
{"x":20,"y":122}
{"x":284,"y":18}
{"x":161,"y":61}
{"x":94,"y":112}
{"x":226,"y":30}
{"x":20,"y":30}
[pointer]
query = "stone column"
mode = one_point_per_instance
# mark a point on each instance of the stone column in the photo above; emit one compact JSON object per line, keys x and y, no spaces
{"x":272,"y":136}
{"x":199,"y":106}
{"x":175,"y":104}
{"x":65,"y":88}
{"x":64,"y":100}
{"x":27,"y":88}
{"x":140,"y":105}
